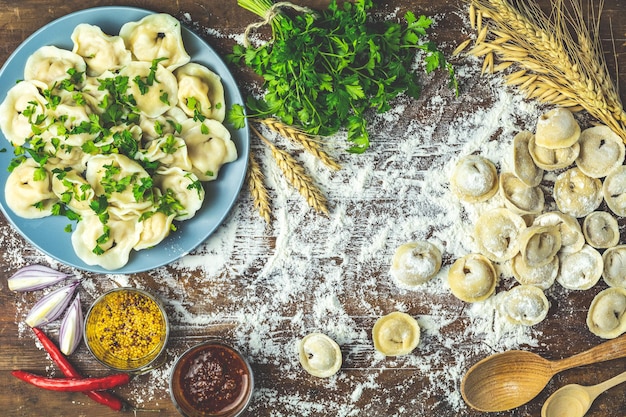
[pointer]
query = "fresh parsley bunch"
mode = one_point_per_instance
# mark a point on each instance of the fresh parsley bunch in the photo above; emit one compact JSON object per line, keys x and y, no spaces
{"x":322,"y":72}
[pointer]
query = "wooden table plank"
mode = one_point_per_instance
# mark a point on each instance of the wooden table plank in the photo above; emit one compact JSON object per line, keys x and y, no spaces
{"x":251,"y":295}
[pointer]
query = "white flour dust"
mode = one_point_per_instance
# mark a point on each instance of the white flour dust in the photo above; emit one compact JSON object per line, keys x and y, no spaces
{"x":264,"y":288}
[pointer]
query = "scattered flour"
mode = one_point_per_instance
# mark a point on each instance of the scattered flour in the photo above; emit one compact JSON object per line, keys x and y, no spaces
{"x":263,"y":288}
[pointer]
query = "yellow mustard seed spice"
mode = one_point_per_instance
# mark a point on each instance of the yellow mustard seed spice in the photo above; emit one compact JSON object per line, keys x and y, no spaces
{"x":128,"y":325}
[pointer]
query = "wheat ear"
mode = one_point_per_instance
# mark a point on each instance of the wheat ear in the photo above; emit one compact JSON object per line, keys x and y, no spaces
{"x":296,"y":176}
{"x":310,"y":143}
{"x":557,"y":67}
{"x":256,"y":185}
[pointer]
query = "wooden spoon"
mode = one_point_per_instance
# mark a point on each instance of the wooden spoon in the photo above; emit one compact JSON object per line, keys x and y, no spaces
{"x":574,"y":400}
{"x":509,"y":379}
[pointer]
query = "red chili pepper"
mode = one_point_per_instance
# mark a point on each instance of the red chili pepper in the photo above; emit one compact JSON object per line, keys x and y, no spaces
{"x":73,"y":384}
{"x":102,"y":397}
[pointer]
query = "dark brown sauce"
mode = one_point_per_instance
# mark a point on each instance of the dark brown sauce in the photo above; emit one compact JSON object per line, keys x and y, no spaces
{"x":214,"y":379}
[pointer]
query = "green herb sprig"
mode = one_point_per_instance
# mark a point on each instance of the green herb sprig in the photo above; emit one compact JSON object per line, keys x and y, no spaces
{"x":323,"y":71}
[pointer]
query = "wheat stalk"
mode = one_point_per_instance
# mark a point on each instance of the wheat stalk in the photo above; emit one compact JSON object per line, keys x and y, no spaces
{"x":557,"y":67}
{"x":256,"y":185}
{"x":296,"y":176}
{"x":308,"y":142}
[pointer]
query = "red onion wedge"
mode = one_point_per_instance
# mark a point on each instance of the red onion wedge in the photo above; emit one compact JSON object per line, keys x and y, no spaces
{"x":51,"y":305}
{"x":71,"y":332}
{"x":35,"y":277}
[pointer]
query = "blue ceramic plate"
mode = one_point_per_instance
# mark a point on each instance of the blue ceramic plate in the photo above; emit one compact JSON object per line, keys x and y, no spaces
{"x":48,"y":234}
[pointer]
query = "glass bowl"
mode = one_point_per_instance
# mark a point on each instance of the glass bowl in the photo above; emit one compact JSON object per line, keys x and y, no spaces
{"x":126,"y":329}
{"x":211,"y":379}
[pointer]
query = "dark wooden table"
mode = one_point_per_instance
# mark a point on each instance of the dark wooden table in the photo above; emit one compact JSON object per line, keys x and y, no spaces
{"x":242,"y":286}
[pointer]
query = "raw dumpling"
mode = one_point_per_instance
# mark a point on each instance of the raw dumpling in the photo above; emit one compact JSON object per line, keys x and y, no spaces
{"x":153,"y":98}
{"x":474,"y":179}
{"x":472,"y":278}
{"x":156,"y":36}
{"x":415,"y":263}
{"x":614,"y":272}
{"x":319,"y":355}
{"x":557,"y":129}
{"x":572,"y":238}
{"x":606,"y":317}
{"x":614,"y":190}
{"x":519,"y":197}
{"x":50,"y":65}
{"x":396,"y":334}
{"x":200,"y":90}
{"x":580,"y":270}
{"x":100,"y":51}
{"x":28,"y":191}
{"x":209,"y":147}
{"x":525,"y":304}
{"x":539,"y":244}
{"x":553,"y":159}
{"x":542,"y":276}
{"x":601,"y":230}
{"x":576,"y":193}
{"x":497,"y":234}
{"x":601,"y":151}
{"x":23,"y":107}
{"x":523,"y":165}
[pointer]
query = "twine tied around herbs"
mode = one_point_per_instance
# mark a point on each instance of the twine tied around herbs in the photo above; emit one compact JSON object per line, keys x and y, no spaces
{"x":271,"y":13}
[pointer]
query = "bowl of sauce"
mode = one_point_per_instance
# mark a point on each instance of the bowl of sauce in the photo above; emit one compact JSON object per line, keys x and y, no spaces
{"x":211,"y":379}
{"x":126,"y":329}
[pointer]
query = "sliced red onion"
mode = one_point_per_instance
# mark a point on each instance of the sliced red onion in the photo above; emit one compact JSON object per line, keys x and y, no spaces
{"x":71,"y":332}
{"x":51,"y":305}
{"x":35,"y":277}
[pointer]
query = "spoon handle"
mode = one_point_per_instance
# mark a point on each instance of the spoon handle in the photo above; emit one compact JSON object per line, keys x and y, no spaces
{"x":613,"y":349}
{"x":598,"y":389}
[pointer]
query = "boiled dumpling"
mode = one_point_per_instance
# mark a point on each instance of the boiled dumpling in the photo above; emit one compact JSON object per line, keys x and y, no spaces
{"x":553,"y":159}
{"x":580,"y":270}
{"x":168,"y":150}
{"x":23,"y":107}
{"x":523,"y":165}
{"x":200,"y":90}
{"x":100,"y":51}
{"x":614,"y":190}
{"x":154,"y":229}
{"x":601,"y":230}
{"x":209,"y":146}
{"x":576,"y":193}
{"x":606,"y":317}
{"x":572,"y":238}
{"x":519,"y":197}
{"x":109,"y":245}
{"x":396,"y":334}
{"x":614,"y":271}
{"x":541,"y":276}
{"x":497,"y":234}
{"x":319,"y":355}
{"x":74,"y":191}
{"x":50,"y":65}
{"x":474,"y":179}
{"x":184,"y":187}
{"x":601,"y":151}
{"x":28,"y":191}
{"x":153,"y":98}
{"x":472,"y":278}
{"x":539,"y":245}
{"x":557,"y":129}
{"x":415,"y":263}
{"x":156,"y":36}
{"x":525,"y":304}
